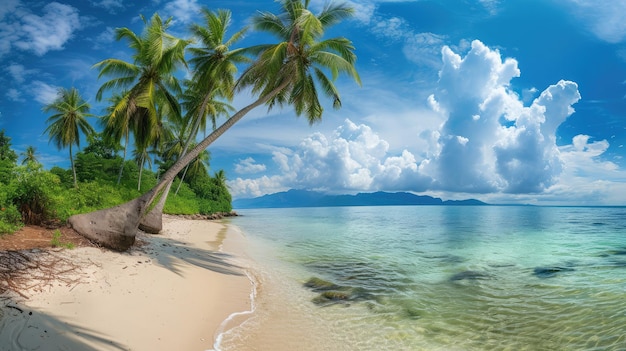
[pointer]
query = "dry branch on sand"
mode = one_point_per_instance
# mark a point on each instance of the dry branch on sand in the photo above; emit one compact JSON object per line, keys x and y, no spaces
{"x":25,"y":272}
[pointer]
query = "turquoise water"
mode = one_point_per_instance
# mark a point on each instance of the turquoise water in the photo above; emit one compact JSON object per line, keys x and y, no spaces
{"x":450,"y":278}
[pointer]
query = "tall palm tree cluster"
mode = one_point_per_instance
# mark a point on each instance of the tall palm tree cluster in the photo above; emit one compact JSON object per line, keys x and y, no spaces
{"x":164,"y":115}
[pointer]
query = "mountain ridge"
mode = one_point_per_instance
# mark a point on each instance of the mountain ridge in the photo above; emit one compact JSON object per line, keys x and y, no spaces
{"x":305,"y":198}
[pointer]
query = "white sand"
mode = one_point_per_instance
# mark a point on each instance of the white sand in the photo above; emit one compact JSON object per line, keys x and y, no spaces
{"x":173,"y":293}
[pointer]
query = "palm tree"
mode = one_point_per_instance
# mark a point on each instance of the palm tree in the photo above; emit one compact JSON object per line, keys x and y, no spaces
{"x":29,"y":155}
{"x":220,"y":178}
{"x":148,"y":83}
{"x":116,"y":126}
{"x":200,"y":165}
{"x":69,"y":120}
{"x":214,"y":66}
{"x":289,"y":72}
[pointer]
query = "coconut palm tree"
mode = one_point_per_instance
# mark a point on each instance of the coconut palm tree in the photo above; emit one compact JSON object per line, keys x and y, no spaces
{"x":287,"y":73}
{"x":214,"y":67}
{"x":29,"y":155}
{"x":220,"y":178}
{"x":148,"y":83}
{"x":68,"y":121}
{"x":116,"y":126}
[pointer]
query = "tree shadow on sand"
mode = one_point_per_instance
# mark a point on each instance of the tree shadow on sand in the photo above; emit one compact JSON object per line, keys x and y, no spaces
{"x":172,"y":254}
{"x":28,"y":329}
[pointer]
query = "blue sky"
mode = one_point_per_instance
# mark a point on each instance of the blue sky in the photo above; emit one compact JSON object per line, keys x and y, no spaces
{"x":520,"y":101}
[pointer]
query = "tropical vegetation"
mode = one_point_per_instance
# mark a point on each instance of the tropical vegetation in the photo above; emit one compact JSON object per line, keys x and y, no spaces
{"x":164,"y":117}
{"x":33,"y":195}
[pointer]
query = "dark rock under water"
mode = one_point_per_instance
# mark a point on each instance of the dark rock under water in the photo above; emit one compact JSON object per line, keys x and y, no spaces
{"x":469,"y":275}
{"x":331,"y":293}
{"x":549,"y":272}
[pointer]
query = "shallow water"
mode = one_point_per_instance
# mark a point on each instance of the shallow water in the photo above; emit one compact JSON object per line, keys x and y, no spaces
{"x":437,"y":278}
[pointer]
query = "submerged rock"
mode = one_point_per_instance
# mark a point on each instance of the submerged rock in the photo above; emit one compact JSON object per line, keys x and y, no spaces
{"x":469,"y":275}
{"x":549,"y":272}
{"x":331,"y":293}
{"x":318,"y":284}
{"x":616,"y":252}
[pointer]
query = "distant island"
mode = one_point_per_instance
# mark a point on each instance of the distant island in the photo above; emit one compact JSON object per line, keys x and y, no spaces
{"x":304,"y":198}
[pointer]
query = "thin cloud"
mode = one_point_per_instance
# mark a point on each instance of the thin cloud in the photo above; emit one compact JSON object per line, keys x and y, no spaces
{"x":43,"y":93}
{"x":184,"y":11}
{"x":19,"y":73}
{"x":112,"y":6}
{"x":605,"y":19}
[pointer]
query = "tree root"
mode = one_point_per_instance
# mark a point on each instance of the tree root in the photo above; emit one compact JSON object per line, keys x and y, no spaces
{"x":29,"y":271}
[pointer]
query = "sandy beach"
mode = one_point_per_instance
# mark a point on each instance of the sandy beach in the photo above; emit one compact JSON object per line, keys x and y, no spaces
{"x":173,"y":291}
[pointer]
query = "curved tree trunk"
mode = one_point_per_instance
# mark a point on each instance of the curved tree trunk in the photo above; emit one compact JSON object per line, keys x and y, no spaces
{"x":181,"y":179}
{"x":119,"y":175}
{"x":152,"y":222}
{"x":73,"y":167}
{"x":116,"y":227}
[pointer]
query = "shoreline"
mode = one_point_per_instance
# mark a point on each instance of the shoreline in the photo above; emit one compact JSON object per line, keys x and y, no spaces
{"x":181,"y":289}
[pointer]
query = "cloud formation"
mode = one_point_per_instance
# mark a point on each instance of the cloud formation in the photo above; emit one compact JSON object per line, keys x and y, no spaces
{"x":248,"y":166}
{"x":22,"y":29}
{"x":490,"y":142}
{"x":352,"y":158}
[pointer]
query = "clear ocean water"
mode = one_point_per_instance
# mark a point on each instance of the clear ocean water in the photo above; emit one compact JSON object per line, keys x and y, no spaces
{"x":437,"y":278}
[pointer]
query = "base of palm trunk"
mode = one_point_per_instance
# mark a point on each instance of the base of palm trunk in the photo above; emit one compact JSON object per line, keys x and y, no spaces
{"x":152,"y":223}
{"x":114,"y":228}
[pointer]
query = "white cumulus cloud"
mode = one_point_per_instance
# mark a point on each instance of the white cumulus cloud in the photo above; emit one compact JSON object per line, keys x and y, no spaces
{"x":352,"y":158}
{"x":490,"y":141}
{"x":249,"y":165}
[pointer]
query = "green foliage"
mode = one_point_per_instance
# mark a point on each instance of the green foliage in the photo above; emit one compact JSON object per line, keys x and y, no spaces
{"x":101,"y":146}
{"x":32,"y":191}
{"x":213,"y":196}
{"x":183,"y":203}
{"x":6,"y":171}
{"x":90,"y":166}
{"x":8,"y":158}
{"x":56,"y":241}
{"x":65,"y":175}
{"x":10,"y":218}
{"x":6,"y":153}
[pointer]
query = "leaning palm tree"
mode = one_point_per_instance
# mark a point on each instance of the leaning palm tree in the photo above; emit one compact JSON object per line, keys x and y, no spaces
{"x":289,"y":72}
{"x":214,"y":68}
{"x":29,"y":155}
{"x":68,"y":121}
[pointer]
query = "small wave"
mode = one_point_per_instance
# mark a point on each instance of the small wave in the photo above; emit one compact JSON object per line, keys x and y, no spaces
{"x":222,"y":330}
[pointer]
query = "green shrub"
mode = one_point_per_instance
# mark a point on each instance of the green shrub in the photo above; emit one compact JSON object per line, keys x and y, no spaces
{"x":10,"y":219}
{"x":33,"y":192}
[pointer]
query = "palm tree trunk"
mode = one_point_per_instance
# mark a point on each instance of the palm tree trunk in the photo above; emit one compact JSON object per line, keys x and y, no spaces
{"x":181,"y":180}
{"x":140,"y":172}
{"x":116,"y":227}
{"x":73,"y":167}
{"x":119,"y":175}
